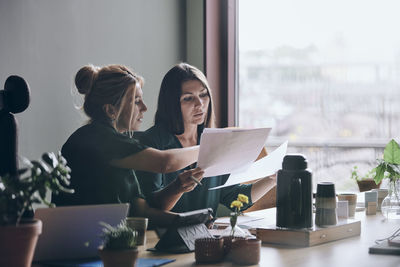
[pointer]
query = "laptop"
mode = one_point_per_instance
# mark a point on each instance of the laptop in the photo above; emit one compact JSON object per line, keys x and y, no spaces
{"x":74,"y":232}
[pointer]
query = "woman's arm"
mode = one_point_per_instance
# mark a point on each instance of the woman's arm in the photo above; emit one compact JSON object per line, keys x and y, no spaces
{"x":161,"y":161}
{"x":262,"y":186}
{"x":156,"y":217}
{"x":167,"y":197}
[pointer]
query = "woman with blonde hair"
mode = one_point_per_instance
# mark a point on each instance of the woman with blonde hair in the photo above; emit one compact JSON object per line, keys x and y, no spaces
{"x":103,"y":155}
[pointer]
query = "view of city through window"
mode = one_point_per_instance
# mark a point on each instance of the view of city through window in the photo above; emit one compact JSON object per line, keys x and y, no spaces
{"x":325,"y":75}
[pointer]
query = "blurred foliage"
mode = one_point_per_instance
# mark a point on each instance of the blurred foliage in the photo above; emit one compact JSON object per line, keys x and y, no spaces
{"x":18,"y":193}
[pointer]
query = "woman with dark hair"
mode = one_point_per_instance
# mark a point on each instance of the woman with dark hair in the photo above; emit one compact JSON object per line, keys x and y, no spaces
{"x":103,"y":157}
{"x":184,"y":109}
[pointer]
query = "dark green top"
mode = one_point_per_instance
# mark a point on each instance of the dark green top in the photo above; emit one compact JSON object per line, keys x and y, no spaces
{"x":200,"y":198}
{"x":88,"y":152}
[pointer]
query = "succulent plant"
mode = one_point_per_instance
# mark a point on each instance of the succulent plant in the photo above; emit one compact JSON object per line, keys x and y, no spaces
{"x":119,"y":237}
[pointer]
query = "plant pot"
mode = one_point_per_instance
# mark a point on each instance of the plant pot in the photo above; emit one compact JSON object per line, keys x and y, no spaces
{"x":367,"y":184}
{"x":17,"y":243}
{"x":245,"y":251}
{"x":120,"y":258}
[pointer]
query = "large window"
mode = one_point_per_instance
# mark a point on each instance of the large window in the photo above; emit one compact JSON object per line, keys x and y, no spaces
{"x":325,"y":75}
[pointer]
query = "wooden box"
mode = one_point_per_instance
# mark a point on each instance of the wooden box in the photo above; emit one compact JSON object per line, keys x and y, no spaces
{"x":308,"y":237}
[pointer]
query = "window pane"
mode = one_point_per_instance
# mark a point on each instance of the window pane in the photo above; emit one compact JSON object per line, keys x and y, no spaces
{"x":326,"y":76}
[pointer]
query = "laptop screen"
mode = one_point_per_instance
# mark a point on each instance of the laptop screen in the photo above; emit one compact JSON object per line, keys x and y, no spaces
{"x":74,"y":232}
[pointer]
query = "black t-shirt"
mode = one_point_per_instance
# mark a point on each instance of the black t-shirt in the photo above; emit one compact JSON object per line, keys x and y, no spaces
{"x":160,"y":138}
{"x":88,"y":152}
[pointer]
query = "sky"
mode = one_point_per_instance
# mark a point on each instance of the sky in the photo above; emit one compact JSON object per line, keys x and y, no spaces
{"x":364,"y":29}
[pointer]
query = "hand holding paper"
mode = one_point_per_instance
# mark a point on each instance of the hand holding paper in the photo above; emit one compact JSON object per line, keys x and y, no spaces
{"x":225,"y":151}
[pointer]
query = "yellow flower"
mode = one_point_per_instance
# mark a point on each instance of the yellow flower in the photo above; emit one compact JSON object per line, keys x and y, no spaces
{"x":236,"y":204}
{"x":243,"y":198}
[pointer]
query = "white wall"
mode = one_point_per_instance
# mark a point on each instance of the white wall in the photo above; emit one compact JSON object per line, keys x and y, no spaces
{"x":47,"y":41}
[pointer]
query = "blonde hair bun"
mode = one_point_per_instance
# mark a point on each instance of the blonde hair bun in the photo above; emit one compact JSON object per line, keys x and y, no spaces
{"x":85,"y":78}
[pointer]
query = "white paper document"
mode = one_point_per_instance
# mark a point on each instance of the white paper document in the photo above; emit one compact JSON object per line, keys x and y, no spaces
{"x":259,"y":169}
{"x":224,"y":151}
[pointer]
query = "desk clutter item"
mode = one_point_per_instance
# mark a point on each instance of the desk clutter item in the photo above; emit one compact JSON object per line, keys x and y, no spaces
{"x":141,"y":262}
{"x":294,"y":193}
{"x":371,"y":208}
{"x":308,"y":237}
{"x":382,"y":193}
{"x":325,"y":204}
{"x":181,"y":236}
{"x":238,"y":250}
{"x":209,"y":250}
{"x":370,"y":196}
{"x":352,"y":199}
{"x":245,"y":251}
{"x":342,"y":209}
{"x":384,"y":248}
{"x":138,"y":224}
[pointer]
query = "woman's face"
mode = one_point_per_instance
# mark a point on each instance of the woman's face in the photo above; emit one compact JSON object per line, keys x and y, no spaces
{"x":132,"y":110}
{"x":194,"y":102}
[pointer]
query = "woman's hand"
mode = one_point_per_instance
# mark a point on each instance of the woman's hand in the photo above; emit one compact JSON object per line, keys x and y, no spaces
{"x":187,"y":184}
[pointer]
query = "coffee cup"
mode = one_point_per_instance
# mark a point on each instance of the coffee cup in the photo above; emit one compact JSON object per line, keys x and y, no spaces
{"x":343,"y":209}
{"x":325,"y":204}
{"x":139,"y":224}
{"x":352,"y":199}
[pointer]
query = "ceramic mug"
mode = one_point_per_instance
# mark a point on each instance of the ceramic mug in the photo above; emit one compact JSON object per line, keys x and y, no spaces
{"x":352,"y":199}
{"x":325,"y":204}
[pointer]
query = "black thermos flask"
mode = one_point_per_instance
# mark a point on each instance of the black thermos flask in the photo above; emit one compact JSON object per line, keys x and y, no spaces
{"x":294,"y":193}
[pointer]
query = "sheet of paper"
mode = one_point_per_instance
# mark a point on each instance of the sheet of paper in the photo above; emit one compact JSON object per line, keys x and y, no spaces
{"x":241,"y":220}
{"x":259,"y":169}
{"x":225,"y":151}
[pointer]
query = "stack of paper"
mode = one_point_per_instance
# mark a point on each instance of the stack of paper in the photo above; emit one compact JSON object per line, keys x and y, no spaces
{"x":234,"y":151}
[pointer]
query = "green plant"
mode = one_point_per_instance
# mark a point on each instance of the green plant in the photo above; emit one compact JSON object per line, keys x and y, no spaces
{"x":119,"y":237}
{"x":17,"y":194}
{"x":389,"y":166}
{"x":358,"y":177}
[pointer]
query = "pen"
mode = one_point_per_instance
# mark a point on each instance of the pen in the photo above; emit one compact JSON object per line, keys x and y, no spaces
{"x":195,"y":180}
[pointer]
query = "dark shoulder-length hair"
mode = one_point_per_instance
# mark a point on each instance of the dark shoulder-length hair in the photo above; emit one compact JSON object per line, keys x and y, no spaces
{"x":169,"y":112}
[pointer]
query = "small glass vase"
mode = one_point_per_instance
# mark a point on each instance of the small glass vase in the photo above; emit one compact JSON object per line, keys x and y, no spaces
{"x":391,"y":203}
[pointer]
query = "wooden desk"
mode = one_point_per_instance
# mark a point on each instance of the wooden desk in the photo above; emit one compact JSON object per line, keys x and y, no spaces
{"x":347,"y":252}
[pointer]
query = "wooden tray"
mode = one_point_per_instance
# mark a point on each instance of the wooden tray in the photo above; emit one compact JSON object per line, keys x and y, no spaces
{"x":308,"y":238}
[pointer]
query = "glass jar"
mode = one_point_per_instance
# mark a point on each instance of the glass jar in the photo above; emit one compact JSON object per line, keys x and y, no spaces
{"x":391,"y":203}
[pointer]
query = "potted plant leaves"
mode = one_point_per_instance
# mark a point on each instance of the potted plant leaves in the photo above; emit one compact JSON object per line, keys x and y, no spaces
{"x":389,"y":168}
{"x":119,"y":246}
{"x":18,"y":231}
{"x":365,"y":182}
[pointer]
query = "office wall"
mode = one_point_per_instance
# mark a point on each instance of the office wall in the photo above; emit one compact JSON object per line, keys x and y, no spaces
{"x":47,"y":41}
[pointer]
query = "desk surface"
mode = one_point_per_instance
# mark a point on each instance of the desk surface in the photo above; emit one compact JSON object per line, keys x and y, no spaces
{"x":346,"y":252}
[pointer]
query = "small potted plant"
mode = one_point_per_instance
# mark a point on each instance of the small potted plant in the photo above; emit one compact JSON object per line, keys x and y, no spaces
{"x":389,"y":168}
{"x":365,"y":182}
{"x":119,"y":246}
{"x":18,"y":231}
